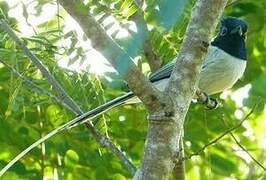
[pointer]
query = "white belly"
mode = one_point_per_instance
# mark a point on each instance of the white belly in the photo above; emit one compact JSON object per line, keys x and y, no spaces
{"x":220,"y":74}
{"x":220,"y":71}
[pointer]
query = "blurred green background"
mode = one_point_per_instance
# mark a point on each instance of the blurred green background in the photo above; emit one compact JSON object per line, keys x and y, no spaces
{"x":27,"y":114}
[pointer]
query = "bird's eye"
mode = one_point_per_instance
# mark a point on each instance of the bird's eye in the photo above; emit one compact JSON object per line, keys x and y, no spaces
{"x":223,"y":31}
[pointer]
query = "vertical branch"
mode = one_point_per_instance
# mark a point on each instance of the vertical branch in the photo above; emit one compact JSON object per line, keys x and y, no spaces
{"x":165,"y":127}
{"x":153,"y":61}
{"x":179,"y":169}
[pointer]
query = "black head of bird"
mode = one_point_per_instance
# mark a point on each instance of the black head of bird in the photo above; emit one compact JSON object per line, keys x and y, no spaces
{"x":231,"y":37}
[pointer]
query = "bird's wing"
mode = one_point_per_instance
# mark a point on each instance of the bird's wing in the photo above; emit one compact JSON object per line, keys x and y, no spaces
{"x":165,"y":71}
{"x":211,"y":57}
{"x":162,"y":73}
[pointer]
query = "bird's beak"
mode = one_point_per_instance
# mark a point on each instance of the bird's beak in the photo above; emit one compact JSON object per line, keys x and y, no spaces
{"x":237,"y":30}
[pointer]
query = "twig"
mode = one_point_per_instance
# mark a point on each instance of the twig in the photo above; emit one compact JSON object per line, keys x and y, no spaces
{"x":42,"y":148}
{"x":243,"y":148}
{"x":26,"y":16}
{"x":106,"y":142}
{"x":221,"y":136}
{"x":248,"y":153}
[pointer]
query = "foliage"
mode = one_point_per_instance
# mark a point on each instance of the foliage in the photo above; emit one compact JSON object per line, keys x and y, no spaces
{"x":27,"y":114}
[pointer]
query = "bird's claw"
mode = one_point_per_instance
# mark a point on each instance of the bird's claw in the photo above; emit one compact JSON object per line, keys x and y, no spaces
{"x":209,"y":102}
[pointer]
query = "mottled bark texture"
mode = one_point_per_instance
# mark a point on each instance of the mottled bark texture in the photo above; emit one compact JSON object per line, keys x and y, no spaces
{"x":167,"y":109}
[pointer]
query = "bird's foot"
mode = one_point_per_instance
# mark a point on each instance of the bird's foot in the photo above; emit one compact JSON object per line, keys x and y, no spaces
{"x":209,"y":102}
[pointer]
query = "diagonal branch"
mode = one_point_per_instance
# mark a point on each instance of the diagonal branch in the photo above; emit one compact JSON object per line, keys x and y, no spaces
{"x":31,"y":84}
{"x":200,"y":30}
{"x":246,"y":151}
{"x":230,"y":130}
{"x":243,"y":148}
{"x":119,"y":59}
{"x":66,"y":101}
{"x":45,"y":72}
{"x":85,"y":117}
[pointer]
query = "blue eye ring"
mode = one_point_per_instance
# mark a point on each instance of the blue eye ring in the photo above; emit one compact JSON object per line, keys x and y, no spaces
{"x":223,"y":31}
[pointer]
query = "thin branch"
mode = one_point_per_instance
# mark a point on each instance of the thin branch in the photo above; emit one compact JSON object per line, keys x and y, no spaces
{"x":43,"y":152}
{"x":67,"y":100}
{"x":221,"y":136}
{"x":152,"y":59}
{"x":45,"y":72}
{"x":31,"y":84}
{"x":248,"y":153}
{"x":85,"y":117}
{"x":253,"y":167}
{"x":26,"y":16}
{"x":243,"y":148}
{"x":106,"y":142}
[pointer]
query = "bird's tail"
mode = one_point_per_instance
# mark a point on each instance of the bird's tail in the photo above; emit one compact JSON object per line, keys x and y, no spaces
{"x":78,"y":120}
{"x":124,"y":99}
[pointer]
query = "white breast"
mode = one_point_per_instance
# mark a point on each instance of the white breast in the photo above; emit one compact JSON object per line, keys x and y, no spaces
{"x":220,"y":71}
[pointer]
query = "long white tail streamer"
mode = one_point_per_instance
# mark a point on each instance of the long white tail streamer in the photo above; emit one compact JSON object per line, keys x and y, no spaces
{"x":74,"y":122}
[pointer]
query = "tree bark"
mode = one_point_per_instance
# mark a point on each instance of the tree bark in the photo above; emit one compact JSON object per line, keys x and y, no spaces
{"x":165,"y":128}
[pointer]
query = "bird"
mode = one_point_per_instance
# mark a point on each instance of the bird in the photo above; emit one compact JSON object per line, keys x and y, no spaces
{"x":223,"y":65}
{"x":225,"y":61}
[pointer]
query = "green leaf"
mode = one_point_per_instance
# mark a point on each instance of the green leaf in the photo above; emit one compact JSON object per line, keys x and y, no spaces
{"x":71,"y":158}
{"x":222,"y":165}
